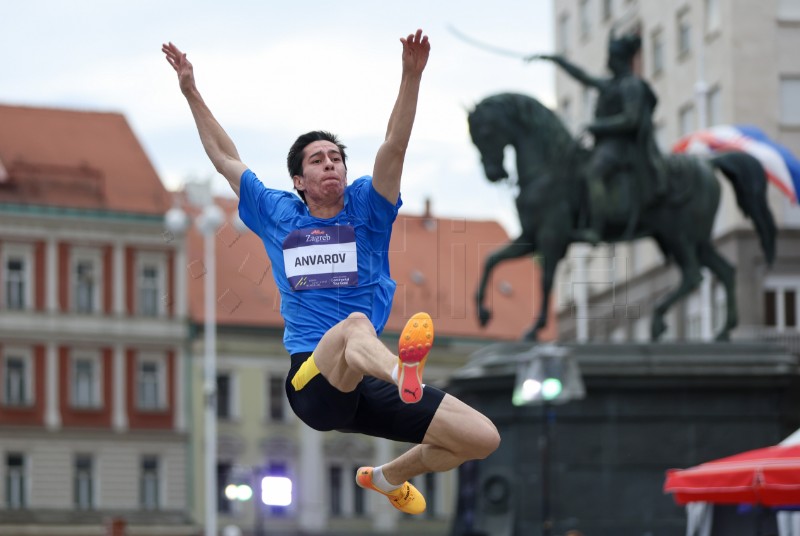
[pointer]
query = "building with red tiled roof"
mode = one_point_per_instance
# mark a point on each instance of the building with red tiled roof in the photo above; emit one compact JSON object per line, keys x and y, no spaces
{"x":92,"y":412}
{"x":76,"y":159}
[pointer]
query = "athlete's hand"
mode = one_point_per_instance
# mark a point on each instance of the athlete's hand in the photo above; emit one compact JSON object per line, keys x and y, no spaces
{"x":416,"y":49}
{"x":182,"y":66}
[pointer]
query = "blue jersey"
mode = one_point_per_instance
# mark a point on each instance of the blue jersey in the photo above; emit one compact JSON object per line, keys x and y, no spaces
{"x":325,"y":269}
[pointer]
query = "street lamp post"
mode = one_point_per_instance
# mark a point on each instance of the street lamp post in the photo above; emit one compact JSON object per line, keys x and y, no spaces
{"x":547,"y":375}
{"x":208,"y":222}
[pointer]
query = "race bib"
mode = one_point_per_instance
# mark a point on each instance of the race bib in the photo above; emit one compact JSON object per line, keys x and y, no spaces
{"x":321,"y":257}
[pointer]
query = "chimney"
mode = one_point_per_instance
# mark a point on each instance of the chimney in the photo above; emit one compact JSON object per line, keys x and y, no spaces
{"x":428,"y":221}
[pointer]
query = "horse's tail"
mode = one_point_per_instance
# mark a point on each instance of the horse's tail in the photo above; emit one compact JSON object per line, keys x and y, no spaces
{"x":749,"y":181}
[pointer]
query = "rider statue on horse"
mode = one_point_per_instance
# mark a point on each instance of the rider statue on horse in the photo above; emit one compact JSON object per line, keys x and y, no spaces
{"x":633,"y":190}
{"x":624,"y":143}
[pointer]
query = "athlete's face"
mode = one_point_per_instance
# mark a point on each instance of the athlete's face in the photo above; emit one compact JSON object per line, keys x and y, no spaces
{"x":324,"y":174}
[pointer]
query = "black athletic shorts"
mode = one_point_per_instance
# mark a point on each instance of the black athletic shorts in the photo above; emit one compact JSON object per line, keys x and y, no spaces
{"x":373,"y":408}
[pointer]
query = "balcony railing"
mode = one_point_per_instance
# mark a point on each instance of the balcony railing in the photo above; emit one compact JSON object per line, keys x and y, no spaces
{"x":788,"y":338}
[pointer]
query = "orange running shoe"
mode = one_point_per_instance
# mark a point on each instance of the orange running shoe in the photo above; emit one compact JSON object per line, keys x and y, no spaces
{"x":415,"y":343}
{"x":406,"y":498}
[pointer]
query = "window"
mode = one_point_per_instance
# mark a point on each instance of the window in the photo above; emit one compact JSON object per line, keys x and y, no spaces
{"x":224,"y":472}
{"x":608,"y":9}
{"x":684,"y":34}
{"x":86,"y":380}
{"x":359,"y":503}
{"x":686,"y":121}
{"x":335,"y":489}
{"x":563,"y":33}
{"x":17,"y":377}
{"x":148,"y":291}
{"x":151,"y":284}
{"x":84,"y":287}
{"x":780,"y":305}
{"x":770,"y":308}
{"x":15,"y":283}
{"x":713,"y":22}
{"x":15,"y":481}
{"x":86,"y":280}
{"x":224,"y":394}
{"x":17,"y":277}
{"x":432,"y":507}
{"x":83,"y":490}
{"x":277,"y":397}
{"x":149,"y":484}
{"x":657,"y":51}
{"x":714,"y":106}
{"x":790,"y":100}
{"x":585,"y":18}
{"x":151,"y":383}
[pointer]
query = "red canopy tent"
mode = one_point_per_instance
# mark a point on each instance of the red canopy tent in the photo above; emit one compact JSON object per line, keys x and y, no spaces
{"x":768,"y":476}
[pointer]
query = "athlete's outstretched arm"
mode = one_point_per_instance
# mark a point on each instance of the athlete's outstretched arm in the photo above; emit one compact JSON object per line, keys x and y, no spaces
{"x":389,"y":160}
{"x":218,"y":145}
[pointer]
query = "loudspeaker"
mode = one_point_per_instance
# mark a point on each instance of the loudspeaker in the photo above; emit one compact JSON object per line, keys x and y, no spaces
{"x":485,"y":496}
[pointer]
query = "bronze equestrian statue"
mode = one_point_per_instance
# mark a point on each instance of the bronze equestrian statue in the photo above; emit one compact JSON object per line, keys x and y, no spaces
{"x":628,"y":188}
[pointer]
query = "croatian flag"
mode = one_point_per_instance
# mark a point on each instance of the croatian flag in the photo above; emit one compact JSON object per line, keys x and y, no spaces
{"x":782,"y":167}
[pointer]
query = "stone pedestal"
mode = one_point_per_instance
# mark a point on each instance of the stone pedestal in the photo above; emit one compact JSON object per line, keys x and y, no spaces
{"x":648,"y":408}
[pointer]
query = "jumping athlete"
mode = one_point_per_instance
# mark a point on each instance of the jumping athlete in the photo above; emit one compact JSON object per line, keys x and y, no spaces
{"x":328,"y":250}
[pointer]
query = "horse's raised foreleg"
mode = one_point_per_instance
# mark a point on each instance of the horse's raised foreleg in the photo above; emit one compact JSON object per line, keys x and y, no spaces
{"x":726,"y":273}
{"x":515,"y":249}
{"x":690,"y":280}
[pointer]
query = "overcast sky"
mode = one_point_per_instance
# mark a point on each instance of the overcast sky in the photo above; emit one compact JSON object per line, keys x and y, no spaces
{"x":271,"y":70}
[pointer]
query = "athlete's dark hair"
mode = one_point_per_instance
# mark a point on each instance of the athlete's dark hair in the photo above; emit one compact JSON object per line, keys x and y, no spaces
{"x":294,"y":161}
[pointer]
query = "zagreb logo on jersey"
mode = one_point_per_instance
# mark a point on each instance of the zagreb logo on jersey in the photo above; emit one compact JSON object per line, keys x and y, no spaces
{"x":317,"y":236}
{"x":321,"y":257}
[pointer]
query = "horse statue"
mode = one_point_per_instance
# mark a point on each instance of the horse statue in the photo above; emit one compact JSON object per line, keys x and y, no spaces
{"x":552,"y":203}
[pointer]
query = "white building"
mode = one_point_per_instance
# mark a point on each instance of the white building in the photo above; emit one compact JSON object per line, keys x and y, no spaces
{"x":710,"y":62}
